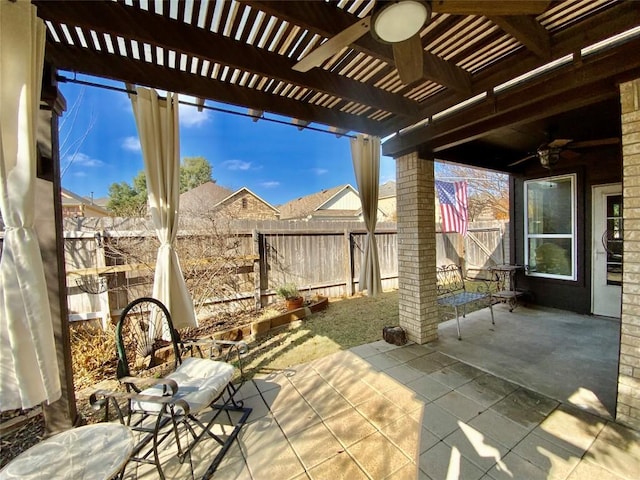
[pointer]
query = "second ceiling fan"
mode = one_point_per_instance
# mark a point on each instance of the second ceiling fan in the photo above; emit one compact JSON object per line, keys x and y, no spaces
{"x":399,"y":23}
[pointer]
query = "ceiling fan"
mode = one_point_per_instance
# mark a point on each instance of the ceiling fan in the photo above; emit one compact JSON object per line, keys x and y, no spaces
{"x":399,"y":22}
{"x":550,"y":153}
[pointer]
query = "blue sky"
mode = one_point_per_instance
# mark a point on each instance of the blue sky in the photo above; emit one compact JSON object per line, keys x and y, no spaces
{"x":99,"y":146}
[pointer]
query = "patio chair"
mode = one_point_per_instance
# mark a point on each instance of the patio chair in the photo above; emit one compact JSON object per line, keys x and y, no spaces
{"x":169,"y":388}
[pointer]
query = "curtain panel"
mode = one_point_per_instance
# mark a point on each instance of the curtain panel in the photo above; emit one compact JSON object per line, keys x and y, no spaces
{"x":365,"y":153}
{"x":157,"y":122}
{"x":30,"y":372}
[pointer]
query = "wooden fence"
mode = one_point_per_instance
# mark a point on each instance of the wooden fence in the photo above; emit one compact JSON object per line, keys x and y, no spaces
{"x":319,"y":257}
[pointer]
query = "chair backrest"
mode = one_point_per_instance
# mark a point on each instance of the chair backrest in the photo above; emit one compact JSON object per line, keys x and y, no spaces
{"x":449,"y":279}
{"x":145,"y":328}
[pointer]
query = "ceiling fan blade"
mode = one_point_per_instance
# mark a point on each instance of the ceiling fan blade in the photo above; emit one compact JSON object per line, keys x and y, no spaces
{"x":487,"y":8}
{"x":522,"y":160}
{"x":595,"y":143}
{"x":569,"y":154}
{"x":333,"y":45}
{"x":559,"y":142}
{"x":408,"y":58}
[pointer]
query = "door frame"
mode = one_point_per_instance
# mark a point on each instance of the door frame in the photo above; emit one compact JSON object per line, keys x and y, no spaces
{"x":603,"y":190}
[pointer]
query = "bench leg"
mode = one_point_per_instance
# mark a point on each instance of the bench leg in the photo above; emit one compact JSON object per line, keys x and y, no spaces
{"x":458,"y":323}
{"x":491,"y":309}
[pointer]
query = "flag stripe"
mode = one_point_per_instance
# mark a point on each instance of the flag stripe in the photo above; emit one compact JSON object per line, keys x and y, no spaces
{"x":453,"y":206}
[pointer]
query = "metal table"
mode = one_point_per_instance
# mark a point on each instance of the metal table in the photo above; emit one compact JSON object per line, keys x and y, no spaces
{"x":506,"y":292}
{"x":96,"y":452}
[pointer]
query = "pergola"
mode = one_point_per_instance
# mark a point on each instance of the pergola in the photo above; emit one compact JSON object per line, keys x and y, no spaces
{"x":492,"y":85}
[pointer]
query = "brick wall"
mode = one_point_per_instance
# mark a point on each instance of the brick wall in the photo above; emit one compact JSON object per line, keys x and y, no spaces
{"x":628,"y":408}
{"x":418,"y":309}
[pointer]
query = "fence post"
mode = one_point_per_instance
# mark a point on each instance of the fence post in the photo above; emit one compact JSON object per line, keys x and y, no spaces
{"x":348,"y":263}
{"x":257,"y":269}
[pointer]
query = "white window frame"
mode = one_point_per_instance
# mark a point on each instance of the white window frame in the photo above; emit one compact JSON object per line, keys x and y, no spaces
{"x":572,"y":235}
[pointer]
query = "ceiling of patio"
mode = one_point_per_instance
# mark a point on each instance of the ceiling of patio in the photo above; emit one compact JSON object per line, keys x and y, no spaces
{"x":242,"y":53}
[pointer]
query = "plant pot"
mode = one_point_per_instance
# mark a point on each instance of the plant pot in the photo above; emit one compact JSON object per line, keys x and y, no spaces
{"x":294,"y":303}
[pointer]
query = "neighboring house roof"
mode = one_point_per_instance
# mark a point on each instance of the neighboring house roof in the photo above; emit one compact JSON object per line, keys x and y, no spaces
{"x":210,"y":196}
{"x":387,"y":189}
{"x":310,"y":205}
{"x":86,"y":207}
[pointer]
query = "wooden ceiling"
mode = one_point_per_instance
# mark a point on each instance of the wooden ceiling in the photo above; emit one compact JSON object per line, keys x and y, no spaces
{"x":241,"y":52}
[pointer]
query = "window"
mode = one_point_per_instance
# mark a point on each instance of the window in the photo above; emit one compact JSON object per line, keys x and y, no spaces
{"x":550,"y":227}
{"x":245,"y":203}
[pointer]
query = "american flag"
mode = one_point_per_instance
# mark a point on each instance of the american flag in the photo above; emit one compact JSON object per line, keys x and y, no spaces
{"x":453,"y":206}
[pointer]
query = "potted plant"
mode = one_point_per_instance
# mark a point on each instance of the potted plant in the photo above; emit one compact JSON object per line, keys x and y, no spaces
{"x":291,"y":295}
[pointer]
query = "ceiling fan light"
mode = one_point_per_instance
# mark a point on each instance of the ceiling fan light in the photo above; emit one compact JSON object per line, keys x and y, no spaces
{"x":399,"y":20}
{"x":548,"y":156}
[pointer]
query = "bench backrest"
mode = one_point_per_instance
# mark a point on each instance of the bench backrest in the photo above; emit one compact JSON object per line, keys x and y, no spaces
{"x":449,"y":279}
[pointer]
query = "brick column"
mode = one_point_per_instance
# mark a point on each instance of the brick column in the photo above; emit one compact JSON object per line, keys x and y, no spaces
{"x":416,"y":248}
{"x":628,"y":407}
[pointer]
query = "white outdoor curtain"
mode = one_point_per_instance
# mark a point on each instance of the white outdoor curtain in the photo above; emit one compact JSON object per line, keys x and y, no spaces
{"x":365,"y":153}
{"x":157,"y":121}
{"x":28,"y":361}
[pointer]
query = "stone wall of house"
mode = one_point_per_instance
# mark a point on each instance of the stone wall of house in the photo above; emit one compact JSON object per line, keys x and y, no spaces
{"x":628,"y":408}
{"x":417,"y":299}
{"x":248,"y":207}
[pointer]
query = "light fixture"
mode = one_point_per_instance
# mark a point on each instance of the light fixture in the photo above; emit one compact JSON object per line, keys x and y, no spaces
{"x":548,"y":156}
{"x":396,"y":21}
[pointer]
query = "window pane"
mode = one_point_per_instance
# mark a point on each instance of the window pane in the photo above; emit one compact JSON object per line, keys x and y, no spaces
{"x":549,"y":206}
{"x":551,"y":255}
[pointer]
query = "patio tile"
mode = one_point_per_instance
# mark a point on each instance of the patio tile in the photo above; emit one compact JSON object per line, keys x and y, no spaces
{"x":444,"y":462}
{"x":513,"y":466}
{"x":466,"y":371}
{"x":315,"y":445}
{"x":405,"y":398}
{"x":590,"y":471}
{"x":570,"y":428}
{"x":338,"y":466}
{"x":525,"y":407}
{"x":377,"y":456}
{"x":383,"y":346}
{"x":297,"y":418}
{"x":328,"y":404}
{"x":437,"y":420}
{"x":428,"y":387}
{"x":405,"y":354}
{"x":442,"y":359}
{"x":462,"y":407}
{"x":617,"y":449}
{"x":382,"y":361}
{"x":379,"y":411}
{"x":282,"y":397}
{"x":557,"y":461}
{"x":425,"y":364}
{"x":380,"y":381}
{"x":260,"y":409}
{"x":501,"y":429}
{"x":482,"y":451}
{"x":355,"y":391}
{"x":364,"y":351}
{"x":487,"y":389}
{"x":349,"y":427}
{"x":409,"y":436}
{"x":403,"y":373}
{"x":449,"y":377}
{"x":235,"y":470}
{"x":275,"y":379}
{"x":248,"y":389}
{"x":409,"y":471}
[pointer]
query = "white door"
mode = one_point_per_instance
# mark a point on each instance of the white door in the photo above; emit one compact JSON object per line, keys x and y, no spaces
{"x":606,"y":280}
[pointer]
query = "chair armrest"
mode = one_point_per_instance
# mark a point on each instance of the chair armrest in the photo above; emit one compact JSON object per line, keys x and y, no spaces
{"x":102,"y":398}
{"x":140,"y":383}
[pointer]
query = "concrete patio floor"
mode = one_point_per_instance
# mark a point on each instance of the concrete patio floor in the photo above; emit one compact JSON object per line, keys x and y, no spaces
{"x":378,"y":411}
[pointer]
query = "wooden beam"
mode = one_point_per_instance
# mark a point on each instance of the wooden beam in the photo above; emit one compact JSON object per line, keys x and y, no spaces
{"x":503,"y":109}
{"x":603,"y":25}
{"x":299,"y":123}
{"x":528,"y":32}
{"x":255,"y":114}
{"x":146,"y":27}
{"x":328,"y":20}
{"x":103,"y":64}
{"x":200,"y":104}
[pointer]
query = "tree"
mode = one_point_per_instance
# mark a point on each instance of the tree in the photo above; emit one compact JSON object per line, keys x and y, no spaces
{"x":129,"y":201}
{"x":194,"y":171}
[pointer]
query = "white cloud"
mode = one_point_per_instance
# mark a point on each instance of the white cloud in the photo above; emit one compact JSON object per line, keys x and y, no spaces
{"x":387,"y":169}
{"x":82,"y":160}
{"x":270,"y":184}
{"x":131,"y":144}
{"x":319,"y":171}
{"x":236,"y":165}
{"x":190,"y":116}
{"x":80,"y":174}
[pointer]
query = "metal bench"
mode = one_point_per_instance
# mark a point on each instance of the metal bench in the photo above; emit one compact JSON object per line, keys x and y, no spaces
{"x":452,"y":292}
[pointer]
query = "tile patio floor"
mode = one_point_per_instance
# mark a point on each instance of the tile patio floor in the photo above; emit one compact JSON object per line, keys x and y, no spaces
{"x":383,"y":412}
